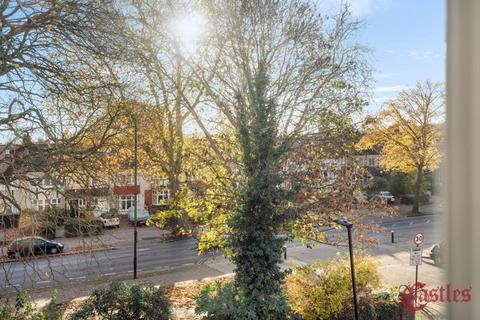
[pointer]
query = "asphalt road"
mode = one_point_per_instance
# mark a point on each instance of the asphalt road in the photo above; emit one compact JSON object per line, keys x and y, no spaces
{"x":154,"y":255}
{"x":48,"y":271}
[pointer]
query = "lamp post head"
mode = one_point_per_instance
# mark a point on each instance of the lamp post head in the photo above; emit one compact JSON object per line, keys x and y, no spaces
{"x":344,"y":223}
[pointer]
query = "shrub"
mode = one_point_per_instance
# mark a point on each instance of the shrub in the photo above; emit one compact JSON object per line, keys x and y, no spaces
{"x":219,"y":301}
{"x":82,"y":227}
{"x":124,"y":301}
{"x":409,"y":199}
{"x":380,"y":306}
{"x":401,"y":184}
{"x":23,"y":309}
{"x":378,"y":184}
{"x":324,"y":290}
{"x":51,"y":218}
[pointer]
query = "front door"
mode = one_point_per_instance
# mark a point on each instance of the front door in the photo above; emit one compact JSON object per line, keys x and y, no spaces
{"x":74,"y":208}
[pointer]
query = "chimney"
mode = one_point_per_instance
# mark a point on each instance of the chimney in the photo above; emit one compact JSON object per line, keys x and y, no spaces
{"x":26,"y":139}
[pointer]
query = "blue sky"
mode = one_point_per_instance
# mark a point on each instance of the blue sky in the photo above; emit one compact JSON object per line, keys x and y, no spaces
{"x":408,"y":42}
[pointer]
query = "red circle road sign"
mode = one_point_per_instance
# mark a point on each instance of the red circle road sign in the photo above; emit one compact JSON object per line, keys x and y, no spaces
{"x":418,"y":238}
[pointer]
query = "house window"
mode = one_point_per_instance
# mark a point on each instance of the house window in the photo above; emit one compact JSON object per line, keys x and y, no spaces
{"x":38,"y":204}
{"x":161,"y":182}
{"x":160,"y":196}
{"x":371,"y":162}
{"x":56,"y":201}
{"x":126,"y":202}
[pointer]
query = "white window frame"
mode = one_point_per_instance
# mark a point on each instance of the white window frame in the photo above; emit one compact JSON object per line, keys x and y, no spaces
{"x":124,"y":200}
{"x":160,"y":196}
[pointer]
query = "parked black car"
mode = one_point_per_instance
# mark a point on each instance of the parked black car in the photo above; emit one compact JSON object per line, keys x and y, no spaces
{"x":33,"y":245}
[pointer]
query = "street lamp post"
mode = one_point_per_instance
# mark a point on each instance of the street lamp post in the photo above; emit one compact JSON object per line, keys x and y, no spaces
{"x":349,"y":225}
{"x":135,"y":182}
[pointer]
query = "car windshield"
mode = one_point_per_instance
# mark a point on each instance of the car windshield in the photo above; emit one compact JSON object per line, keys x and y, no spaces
{"x":141,"y":212}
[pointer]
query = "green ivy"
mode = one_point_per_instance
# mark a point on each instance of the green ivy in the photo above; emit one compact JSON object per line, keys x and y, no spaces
{"x":257,"y":252}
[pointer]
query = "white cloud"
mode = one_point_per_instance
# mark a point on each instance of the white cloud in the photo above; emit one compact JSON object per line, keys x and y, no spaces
{"x":390,"y":89}
{"x":365,"y":7}
{"x":423,"y":54}
{"x":386,"y":75}
{"x":380,"y":100}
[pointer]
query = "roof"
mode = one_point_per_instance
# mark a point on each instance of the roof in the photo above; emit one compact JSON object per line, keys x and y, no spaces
{"x":371,"y":151}
{"x":22,"y":158}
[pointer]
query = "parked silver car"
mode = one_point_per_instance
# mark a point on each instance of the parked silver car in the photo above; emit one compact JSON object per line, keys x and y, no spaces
{"x":383,"y":196}
{"x":142,"y":215}
{"x":109,"y":219}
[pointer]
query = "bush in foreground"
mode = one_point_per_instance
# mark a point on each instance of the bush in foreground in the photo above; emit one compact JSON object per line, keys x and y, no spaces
{"x":323,"y":290}
{"x":219,"y":301}
{"x":317,"y":291}
{"x":124,"y":301}
{"x":24,"y":309}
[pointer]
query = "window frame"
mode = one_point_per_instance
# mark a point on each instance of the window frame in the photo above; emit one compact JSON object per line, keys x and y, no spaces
{"x":123,"y":200}
{"x":160,"y":196}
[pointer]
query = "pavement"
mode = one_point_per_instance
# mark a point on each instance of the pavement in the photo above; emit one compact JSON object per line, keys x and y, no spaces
{"x":117,"y":237}
{"x":165,"y":263}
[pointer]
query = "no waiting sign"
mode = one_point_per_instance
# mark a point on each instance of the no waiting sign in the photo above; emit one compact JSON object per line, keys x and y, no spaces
{"x":418,"y":238}
{"x":416,"y":256}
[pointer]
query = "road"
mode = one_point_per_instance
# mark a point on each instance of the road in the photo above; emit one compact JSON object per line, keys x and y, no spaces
{"x":154,"y":255}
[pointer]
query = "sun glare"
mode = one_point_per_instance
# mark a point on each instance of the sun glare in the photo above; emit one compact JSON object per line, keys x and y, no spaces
{"x":188,"y":30}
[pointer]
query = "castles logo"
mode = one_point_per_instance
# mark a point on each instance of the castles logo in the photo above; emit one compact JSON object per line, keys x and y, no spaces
{"x":425,"y":295}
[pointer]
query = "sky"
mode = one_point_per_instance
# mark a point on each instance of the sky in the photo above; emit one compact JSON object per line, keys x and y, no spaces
{"x":408,"y":43}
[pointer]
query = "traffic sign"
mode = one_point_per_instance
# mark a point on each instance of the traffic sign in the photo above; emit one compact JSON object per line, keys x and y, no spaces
{"x":416,"y":256}
{"x":418,"y":238}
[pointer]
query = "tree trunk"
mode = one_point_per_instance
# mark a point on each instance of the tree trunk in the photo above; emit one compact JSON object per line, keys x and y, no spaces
{"x":418,"y":186}
{"x":184,"y":225}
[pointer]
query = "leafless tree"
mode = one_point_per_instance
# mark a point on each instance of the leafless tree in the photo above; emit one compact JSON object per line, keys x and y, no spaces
{"x":53,"y":82}
{"x":59,"y":103}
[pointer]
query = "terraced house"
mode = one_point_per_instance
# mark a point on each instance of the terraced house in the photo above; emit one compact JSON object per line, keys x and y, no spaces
{"x":29,"y":181}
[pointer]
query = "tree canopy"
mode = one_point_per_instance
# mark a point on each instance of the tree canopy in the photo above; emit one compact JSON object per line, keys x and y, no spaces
{"x":409,"y":131}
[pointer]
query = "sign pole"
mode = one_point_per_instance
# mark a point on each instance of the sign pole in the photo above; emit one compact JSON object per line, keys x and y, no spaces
{"x":352,"y":269}
{"x":416,"y":280}
{"x":416,"y":259}
{"x":135,"y":219}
